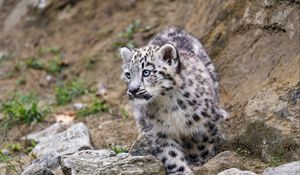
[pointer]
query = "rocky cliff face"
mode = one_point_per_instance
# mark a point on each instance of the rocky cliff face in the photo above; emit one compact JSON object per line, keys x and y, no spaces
{"x":255,"y":46}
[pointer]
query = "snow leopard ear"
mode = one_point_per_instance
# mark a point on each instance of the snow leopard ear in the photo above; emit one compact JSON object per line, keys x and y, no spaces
{"x":168,"y":53}
{"x":125,"y":54}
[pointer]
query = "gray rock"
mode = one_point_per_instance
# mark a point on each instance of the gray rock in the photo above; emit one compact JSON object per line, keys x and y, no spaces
{"x":79,"y":106}
{"x":36,"y":169}
{"x":271,"y":125}
{"x":16,"y":15}
{"x":49,"y":160}
{"x":24,"y":6}
{"x":253,"y":87}
{"x":235,"y":171}
{"x":50,"y":131}
{"x":3,"y":55}
{"x":220,"y":162}
{"x":268,"y":15}
{"x":94,"y":162}
{"x":292,"y":168}
{"x":91,"y":154}
{"x":52,"y":146}
{"x":5,"y":152}
{"x":42,"y":4}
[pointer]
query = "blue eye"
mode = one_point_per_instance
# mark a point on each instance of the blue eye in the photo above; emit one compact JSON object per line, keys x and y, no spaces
{"x":146,"y":73}
{"x":127,"y":75}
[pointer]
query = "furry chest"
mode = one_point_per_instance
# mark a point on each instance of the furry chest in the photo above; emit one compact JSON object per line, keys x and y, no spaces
{"x":173,"y":123}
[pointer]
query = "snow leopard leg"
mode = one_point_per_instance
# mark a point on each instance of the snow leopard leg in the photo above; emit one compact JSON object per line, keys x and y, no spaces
{"x":170,"y":153}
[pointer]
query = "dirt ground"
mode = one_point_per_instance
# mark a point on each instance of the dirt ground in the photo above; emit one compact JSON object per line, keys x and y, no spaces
{"x":84,"y":33}
{"x":78,"y":44}
{"x":81,"y":32}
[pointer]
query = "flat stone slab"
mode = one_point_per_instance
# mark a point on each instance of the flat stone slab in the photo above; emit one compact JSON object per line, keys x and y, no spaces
{"x":104,"y":162}
{"x":221,"y":162}
{"x":235,"y":171}
{"x":292,"y":168}
{"x":36,"y":169}
{"x":50,"y":131}
{"x":51,"y":146}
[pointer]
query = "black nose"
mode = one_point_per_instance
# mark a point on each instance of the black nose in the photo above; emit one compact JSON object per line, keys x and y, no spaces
{"x":134,"y":90}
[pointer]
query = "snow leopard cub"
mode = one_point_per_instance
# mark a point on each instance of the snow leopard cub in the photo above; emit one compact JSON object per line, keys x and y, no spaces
{"x":174,"y":90}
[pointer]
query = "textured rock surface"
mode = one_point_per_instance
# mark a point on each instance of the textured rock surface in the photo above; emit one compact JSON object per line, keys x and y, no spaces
{"x":273,"y":123}
{"x":259,"y":84}
{"x":24,"y":6}
{"x":16,"y":15}
{"x":95,"y":162}
{"x":267,"y":121}
{"x":36,"y":169}
{"x":220,"y":162}
{"x":292,"y":168}
{"x":50,"y":131}
{"x":235,"y":171}
{"x":51,"y":146}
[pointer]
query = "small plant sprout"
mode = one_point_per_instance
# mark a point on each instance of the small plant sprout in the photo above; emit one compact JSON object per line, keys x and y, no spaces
{"x":51,"y":50}
{"x":119,"y":149}
{"x":66,"y":92}
{"x":21,"y":109}
{"x":97,"y":106}
{"x":126,"y":37}
{"x":4,"y":158}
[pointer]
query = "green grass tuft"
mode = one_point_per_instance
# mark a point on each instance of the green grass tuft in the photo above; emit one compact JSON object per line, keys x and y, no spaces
{"x":96,"y":107}
{"x":8,"y":160}
{"x":34,"y":63}
{"x":66,"y":92}
{"x":52,"y":50}
{"x":130,"y":30}
{"x":53,"y":66}
{"x":126,"y":37}
{"x":119,"y":149}
{"x":21,"y":109}
{"x":21,"y":80}
{"x":12,"y":157}
{"x":22,"y":147}
{"x":124,"y":113}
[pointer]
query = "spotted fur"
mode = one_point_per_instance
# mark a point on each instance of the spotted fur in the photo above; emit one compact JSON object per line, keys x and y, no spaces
{"x":174,"y":90}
